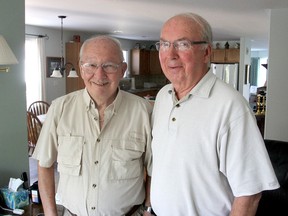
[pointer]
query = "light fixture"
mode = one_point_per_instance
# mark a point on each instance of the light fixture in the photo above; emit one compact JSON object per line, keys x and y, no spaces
{"x":61,"y":69}
{"x":7,"y":57}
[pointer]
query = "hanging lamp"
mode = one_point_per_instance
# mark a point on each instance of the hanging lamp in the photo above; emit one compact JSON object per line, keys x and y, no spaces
{"x":59,"y":71}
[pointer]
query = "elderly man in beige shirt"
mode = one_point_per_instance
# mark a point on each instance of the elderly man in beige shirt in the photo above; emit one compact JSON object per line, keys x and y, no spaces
{"x":100,"y":138}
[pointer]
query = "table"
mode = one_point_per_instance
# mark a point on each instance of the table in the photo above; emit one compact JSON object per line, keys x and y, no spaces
{"x":33,"y":210}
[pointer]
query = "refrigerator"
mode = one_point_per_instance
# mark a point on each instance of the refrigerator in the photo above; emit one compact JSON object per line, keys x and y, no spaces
{"x":227,"y":72}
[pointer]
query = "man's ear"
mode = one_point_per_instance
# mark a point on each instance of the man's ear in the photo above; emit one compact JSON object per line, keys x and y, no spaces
{"x":208,"y":52}
{"x":124,"y":68}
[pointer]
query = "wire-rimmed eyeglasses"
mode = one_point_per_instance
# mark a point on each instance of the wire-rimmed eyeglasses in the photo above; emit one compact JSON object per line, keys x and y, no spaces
{"x":107,"y":67}
{"x":180,"y":45}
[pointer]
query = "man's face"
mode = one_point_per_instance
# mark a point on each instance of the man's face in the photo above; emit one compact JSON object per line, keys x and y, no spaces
{"x":184,"y":68}
{"x":101,"y":84}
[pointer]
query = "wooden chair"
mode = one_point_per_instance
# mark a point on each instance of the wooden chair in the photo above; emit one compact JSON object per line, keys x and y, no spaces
{"x":39,"y":107}
{"x":33,"y":128}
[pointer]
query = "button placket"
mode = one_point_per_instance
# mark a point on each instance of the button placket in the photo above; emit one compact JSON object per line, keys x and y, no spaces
{"x":174,"y":118}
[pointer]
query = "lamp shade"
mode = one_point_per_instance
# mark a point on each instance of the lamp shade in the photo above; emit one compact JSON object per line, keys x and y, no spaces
{"x":56,"y":73}
{"x":7,"y":57}
{"x":72,"y":73}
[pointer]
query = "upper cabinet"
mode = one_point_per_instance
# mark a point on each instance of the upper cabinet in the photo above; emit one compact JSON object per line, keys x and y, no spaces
{"x":140,"y":61}
{"x":225,"y":55}
{"x":144,"y":62}
{"x":72,"y":56}
{"x":155,"y":67}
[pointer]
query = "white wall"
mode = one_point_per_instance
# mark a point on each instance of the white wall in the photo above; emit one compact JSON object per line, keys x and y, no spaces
{"x":13,"y":130}
{"x":276,"y":125}
{"x":260,"y":54}
{"x":245,"y":59}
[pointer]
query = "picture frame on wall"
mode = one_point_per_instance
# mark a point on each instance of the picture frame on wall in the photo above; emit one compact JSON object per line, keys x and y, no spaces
{"x":51,"y":64}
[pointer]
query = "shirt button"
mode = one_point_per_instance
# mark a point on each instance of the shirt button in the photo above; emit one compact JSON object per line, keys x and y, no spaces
{"x":96,"y":162}
{"x":94,"y":185}
{"x":177,"y":105}
{"x":173,"y":119}
{"x":98,"y":140}
{"x":93,"y":208}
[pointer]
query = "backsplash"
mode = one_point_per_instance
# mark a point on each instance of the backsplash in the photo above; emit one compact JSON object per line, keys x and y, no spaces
{"x":159,"y":79}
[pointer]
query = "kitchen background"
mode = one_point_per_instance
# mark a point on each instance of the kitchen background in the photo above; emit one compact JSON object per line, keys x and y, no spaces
{"x":13,"y":131}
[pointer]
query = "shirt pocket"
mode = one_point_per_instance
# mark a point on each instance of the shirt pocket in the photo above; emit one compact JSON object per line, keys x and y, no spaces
{"x":127,"y":161}
{"x":70,"y":154}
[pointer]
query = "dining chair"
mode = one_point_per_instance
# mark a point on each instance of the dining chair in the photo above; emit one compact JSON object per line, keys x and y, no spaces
{"x":39,"y":107}
{"x":33,"y":128}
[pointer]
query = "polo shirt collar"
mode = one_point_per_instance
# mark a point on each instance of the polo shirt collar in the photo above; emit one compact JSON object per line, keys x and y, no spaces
{"x":202,"y":89}
{"x":204,"y":86}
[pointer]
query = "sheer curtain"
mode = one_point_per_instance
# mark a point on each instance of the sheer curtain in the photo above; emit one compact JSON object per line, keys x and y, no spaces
{"x":34,"y":69}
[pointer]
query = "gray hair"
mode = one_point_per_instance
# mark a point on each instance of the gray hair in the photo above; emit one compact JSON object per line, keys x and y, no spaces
{"x":115,"y":41}
{"x":206,"y":30}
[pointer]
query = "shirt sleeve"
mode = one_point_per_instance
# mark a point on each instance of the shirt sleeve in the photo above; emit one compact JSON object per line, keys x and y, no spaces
{"x":46,"y":148}
{"x":244,"y":158}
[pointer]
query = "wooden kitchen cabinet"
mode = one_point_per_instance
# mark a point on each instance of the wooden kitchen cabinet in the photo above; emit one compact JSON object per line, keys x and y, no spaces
{"x":72,"y":50}
{"x":145,"y":62}
{"x":218,"y":55}
{"x":155,"y":67}
{"x":232,"y":55}
{"x":225,"y":55}
{"x":140,"y":62}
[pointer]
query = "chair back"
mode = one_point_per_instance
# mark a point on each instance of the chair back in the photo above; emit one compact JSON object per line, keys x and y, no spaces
{"x":39,"y":107}
{"x":33,"y":128}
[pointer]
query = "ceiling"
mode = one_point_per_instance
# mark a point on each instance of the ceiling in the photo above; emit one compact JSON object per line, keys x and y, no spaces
{"x":143,"y":19}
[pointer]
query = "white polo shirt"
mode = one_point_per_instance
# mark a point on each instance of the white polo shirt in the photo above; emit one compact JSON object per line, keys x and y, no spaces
{"x":206,"y":149}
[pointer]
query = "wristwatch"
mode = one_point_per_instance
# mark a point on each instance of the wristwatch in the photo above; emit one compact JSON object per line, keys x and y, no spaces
{"x":148,"y":209}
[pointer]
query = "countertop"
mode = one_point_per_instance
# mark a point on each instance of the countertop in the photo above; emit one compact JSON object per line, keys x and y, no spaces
{"x":143,"y":90}
{"x":147,"y":93}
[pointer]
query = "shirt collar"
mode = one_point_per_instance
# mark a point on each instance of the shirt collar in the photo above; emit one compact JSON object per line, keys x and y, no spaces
{"x":204,"y":86}
{"x":87,"y":99}
{"x":202,"y":89}
{"x":90,"y":103}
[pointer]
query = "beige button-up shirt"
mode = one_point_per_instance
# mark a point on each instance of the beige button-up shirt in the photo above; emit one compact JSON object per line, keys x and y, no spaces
{"x":101,"y":172}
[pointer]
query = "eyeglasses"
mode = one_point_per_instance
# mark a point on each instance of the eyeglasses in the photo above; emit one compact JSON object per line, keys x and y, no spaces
{"x":179,"y":45}
{"x":107,"y":67}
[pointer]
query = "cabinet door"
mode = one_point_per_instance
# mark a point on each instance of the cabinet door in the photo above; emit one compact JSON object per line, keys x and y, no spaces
{"x":72,"y":56}
{"x":232,"y":55}
{"x":218,"y":55}
{"x":155,"y":67}
{"x":140,"y":62}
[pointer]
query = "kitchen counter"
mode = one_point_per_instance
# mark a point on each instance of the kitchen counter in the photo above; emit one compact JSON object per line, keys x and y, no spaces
{"x":145,"y":92}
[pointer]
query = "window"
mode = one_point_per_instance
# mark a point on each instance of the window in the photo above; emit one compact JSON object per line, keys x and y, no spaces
{"x":34,"y":69}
